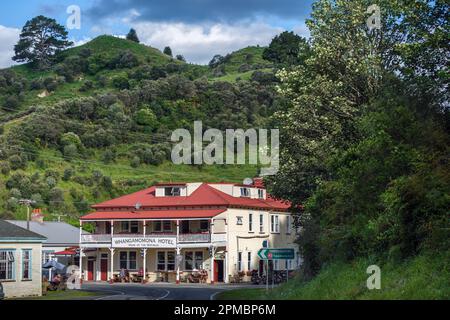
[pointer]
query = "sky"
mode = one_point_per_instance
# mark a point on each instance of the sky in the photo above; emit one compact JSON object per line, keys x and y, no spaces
{"x":197,"y":29}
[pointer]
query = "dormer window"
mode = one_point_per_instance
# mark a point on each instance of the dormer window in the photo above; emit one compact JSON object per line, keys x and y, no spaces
{"x":261,"y":193}
{"x":245,"y":192}
{"x":172,"y":191}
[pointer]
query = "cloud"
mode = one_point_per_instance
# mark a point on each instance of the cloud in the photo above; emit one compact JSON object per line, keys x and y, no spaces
{"x":192,"y":11}
{"x":8,"y":38}
{"x":198,"y":43}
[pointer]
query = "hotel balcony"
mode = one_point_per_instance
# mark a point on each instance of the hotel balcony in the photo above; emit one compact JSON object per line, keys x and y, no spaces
{"x":182,"y":238}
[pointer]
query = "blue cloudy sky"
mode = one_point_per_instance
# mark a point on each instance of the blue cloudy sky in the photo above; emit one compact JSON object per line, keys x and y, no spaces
{"x":198,"y":29}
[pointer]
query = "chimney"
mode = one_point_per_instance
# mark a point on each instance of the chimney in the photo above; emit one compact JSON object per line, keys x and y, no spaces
{"x":37,"y":216}
{"x":258,"y":182}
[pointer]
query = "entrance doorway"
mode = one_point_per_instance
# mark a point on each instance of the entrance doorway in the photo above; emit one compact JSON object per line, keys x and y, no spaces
{"x":104,"y":269}
{"x":218,"y":270}
{"x":90,"y":270}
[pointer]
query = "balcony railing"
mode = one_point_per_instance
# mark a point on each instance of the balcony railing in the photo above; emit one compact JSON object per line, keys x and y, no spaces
{"x":182,"y":238}
{"x":194,"y":237}
{"x":95,"y":238}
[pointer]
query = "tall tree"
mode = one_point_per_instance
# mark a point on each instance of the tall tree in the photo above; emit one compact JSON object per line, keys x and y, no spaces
{"x":180,"y":58}
{"x":287,"y":48}
{"x":132,"y":36}
{"x":167,"y":51}
{"x":41,"y":38}
{"x":324,"y":132}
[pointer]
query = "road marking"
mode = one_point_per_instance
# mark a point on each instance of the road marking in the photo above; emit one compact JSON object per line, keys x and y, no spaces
{"x":164,"y":296}
{"x":104,"y":297}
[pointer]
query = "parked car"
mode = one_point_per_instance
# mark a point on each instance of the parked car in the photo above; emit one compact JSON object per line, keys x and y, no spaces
{"x":2,"y":293}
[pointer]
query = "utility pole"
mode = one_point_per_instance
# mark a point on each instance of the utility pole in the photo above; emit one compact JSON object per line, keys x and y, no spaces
{"x":27,"y":203}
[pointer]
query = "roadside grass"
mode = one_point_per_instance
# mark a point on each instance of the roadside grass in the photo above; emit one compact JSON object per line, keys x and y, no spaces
{"x":64,"y":295}
{"x":424,"y":277}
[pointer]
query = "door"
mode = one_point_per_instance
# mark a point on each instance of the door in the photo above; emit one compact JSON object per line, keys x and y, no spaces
{"x":90,"y":270}
{"x":218,"y":270}
{"x":104,"y":269}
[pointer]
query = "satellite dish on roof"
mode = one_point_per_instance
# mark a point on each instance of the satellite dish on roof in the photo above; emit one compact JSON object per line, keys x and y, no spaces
{"x":248,"y":181}
{"x":137,"y":206}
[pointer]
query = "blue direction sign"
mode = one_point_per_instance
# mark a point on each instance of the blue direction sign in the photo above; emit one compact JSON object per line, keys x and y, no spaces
{"x":276,"y":254}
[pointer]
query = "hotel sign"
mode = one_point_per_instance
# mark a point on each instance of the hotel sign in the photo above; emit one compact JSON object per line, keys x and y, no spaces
{"x":144,"y":242}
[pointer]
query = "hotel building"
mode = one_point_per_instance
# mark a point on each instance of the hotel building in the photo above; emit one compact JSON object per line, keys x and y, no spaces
{"x":172,"y":229}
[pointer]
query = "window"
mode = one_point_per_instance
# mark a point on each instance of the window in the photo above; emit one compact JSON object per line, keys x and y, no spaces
{"x":204,"y":225}
{"x":47,"y":256}
{"x":167,"y":226}
{"x":261,"y":223}
{"x":288,"y":224}
{"x":160,"y":226}
{"x":7,"y":264}
{"x":249,"y":261}
{"x":165,"y":261}
{"x":245,"y":192}
{"x":127,"y":260}
{"x":134,"y":227}
{"x":239,"y":220}
{"x":132,"y":260}
{"x":130,"y":226}
{"x":250,"y":222}
{"x":274,"y":224}
{"x":193,"y":260}
{"x":125,"y":226}
{"x":239,"y":263}
{"x":172,"y":191}
{"x":170,"y":261}
{"x":261,"y":193}
{"x":26,"y":264}
{"x":161,"y":264}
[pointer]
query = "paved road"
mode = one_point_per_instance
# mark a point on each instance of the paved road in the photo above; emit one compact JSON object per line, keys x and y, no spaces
{"x":153,"y":291}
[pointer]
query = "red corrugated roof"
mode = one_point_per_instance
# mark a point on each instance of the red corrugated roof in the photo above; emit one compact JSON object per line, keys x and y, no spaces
{"x":153,"y":214}
{"x":204,"y":195}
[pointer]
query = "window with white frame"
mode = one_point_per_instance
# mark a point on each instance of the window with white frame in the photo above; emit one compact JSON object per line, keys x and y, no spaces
{"x":172,"y":191}
{"x":26,"y":264}
{"x":245,"y":192}
{"x":162,"y":226}
{"x":130,"y":226}
{"x":249,"y":261}
{"x":274,"y":224}
{"x":204,"y":225}
{"x":193,"y":260}
{"x":239,"y":262}
{"x":261,"y":193}
{"x":288,"y":224}
{"x":261,"y":223}
{"x":7,"y":264}
{"x":127,"y":260}
{"x":250,"y":222}
{"x":165,"y":261}
{"x":47,"y":255}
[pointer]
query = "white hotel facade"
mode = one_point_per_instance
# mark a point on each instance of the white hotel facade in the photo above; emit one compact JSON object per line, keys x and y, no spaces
{"x":170,"y":230}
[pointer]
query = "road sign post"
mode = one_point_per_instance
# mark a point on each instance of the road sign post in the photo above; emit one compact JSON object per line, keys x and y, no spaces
{"x":276,"y":254}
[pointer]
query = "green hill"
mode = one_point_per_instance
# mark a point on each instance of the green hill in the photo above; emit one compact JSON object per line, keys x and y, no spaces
{"x":98,"y":123}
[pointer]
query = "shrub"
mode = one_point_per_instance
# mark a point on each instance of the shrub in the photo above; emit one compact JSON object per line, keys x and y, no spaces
{"x":87,"y":85}
{"x":5,"y":167}
{"x":11,"y":102}
{"x":121,"y":82}
{"x":135,"y":162}
{"x":68,"y":173}
{"x":16,"y":162}
{"x":108,"y":156}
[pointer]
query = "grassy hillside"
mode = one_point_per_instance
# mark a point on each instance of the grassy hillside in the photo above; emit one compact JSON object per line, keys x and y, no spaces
{"x":97,"y":124}
{"x":425,"y":276}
